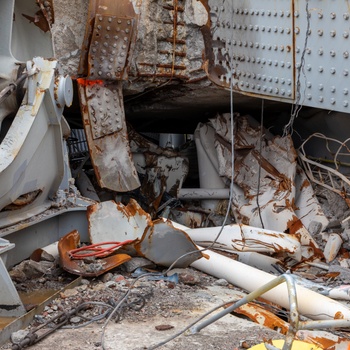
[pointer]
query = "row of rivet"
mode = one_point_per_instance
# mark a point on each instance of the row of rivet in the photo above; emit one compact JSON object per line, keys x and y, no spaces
{"x":281,"y":48}
{"x":276,"y":29}
{"x":256,"y":28}
{"x":259,"y":45}
{"x":275,"y":13}
{"x":288,"y":93}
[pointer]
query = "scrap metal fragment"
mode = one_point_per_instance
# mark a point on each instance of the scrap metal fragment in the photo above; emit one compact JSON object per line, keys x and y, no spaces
{"x":261,"y":315}
{"x":271,"y":197}
{"x":163,"y":244}
{"x":106,"y":134}
{"x":105,"y":56}
{"x":158,"y":241}
{"x":111,"y":221}
{"x":164,"y":169}
{"x":91,"y":268}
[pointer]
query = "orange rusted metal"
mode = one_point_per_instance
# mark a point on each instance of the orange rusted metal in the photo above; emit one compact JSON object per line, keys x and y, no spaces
{"x":263,"y":316}
{"x":88,"y":268}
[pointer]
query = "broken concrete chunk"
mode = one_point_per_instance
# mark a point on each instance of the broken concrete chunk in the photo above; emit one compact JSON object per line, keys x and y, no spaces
{"x":332,"y":247}
{"x":18,"y":337}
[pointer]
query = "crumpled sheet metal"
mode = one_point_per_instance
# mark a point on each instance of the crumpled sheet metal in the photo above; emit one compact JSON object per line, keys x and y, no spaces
{"x":163,"y":244}
{"x":158,"y":241}
{"x":106,"y":134}
{"x":164,"y":169}
{"x":245,"y":238}
{"x":264,"y":317}
{"x":88,"y":268}
{"x":111,"y":221}
{"x":286,"y":204}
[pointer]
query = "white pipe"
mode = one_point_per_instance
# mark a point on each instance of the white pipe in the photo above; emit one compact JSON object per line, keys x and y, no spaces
{"x":238,"y":237}
{"x":204,"y":193}
{"x":310,"y":304}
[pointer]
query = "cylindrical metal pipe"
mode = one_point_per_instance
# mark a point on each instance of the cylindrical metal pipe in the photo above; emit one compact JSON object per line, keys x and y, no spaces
{"x":204,"y":193}
{"x":310,"y":304}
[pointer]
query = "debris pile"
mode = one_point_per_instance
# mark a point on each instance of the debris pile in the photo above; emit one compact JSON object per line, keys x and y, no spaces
{"x":264,"y":221}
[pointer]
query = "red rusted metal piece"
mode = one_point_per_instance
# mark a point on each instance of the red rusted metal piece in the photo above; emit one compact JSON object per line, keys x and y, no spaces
{"x":91,"y":268}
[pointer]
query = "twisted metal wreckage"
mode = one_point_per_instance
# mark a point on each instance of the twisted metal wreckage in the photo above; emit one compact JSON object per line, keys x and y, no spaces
{"x":206,"y":47}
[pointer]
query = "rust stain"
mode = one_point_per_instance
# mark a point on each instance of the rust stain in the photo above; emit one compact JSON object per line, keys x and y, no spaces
{"x":339,"y":316}
{"x":264,"y":317}
{"x":294,"y":225}
{"x":87,"y":82}
{"x":38,"y":20}
{"x":305,"y":184}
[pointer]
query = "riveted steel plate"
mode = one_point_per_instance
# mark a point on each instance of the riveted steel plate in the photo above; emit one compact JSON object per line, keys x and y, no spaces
{"x":323,"y":53}
{"x":105,"y":109}
{"x":110,"y":153}
{"x":252,"y":43}
{"x":109,"y":47}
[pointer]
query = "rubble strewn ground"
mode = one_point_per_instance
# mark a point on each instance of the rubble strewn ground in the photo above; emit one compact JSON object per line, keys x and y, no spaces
{"x":168,"y":305}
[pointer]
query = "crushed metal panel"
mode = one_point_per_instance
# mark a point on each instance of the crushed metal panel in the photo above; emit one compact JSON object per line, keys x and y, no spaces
{"x":107,"y":136}
{"x":158,"y":241}
{"x":275,"y":185}
{"x":163,"y":244}
{"x":91,"y":268}
{"x":111,"y":221}
{"x":253,"y":45}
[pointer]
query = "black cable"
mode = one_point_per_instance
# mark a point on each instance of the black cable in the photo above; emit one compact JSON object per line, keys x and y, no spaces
{"x":259,"y":161}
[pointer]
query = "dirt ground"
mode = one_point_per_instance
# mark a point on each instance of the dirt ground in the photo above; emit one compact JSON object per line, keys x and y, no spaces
{"x":169,"y":307}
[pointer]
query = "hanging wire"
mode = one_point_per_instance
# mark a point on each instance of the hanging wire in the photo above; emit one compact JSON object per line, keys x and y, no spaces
{"x":227,"y":211}
{"x":260,"y":160}
{"x":297,"y":106}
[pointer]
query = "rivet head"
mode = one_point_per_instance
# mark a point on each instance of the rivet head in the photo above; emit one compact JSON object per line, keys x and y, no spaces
{"x":332,"y":101}
{"x":345,"y":91}
{"x":332,"y":53}
{"x":320,"y":99}
{"x":320,"y":87}
{"x":333,"y":33}
{"x":308,"y":96}
{"x":346,"y":54}
{"x":333,"y":89}
{"x":345,"y":103}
